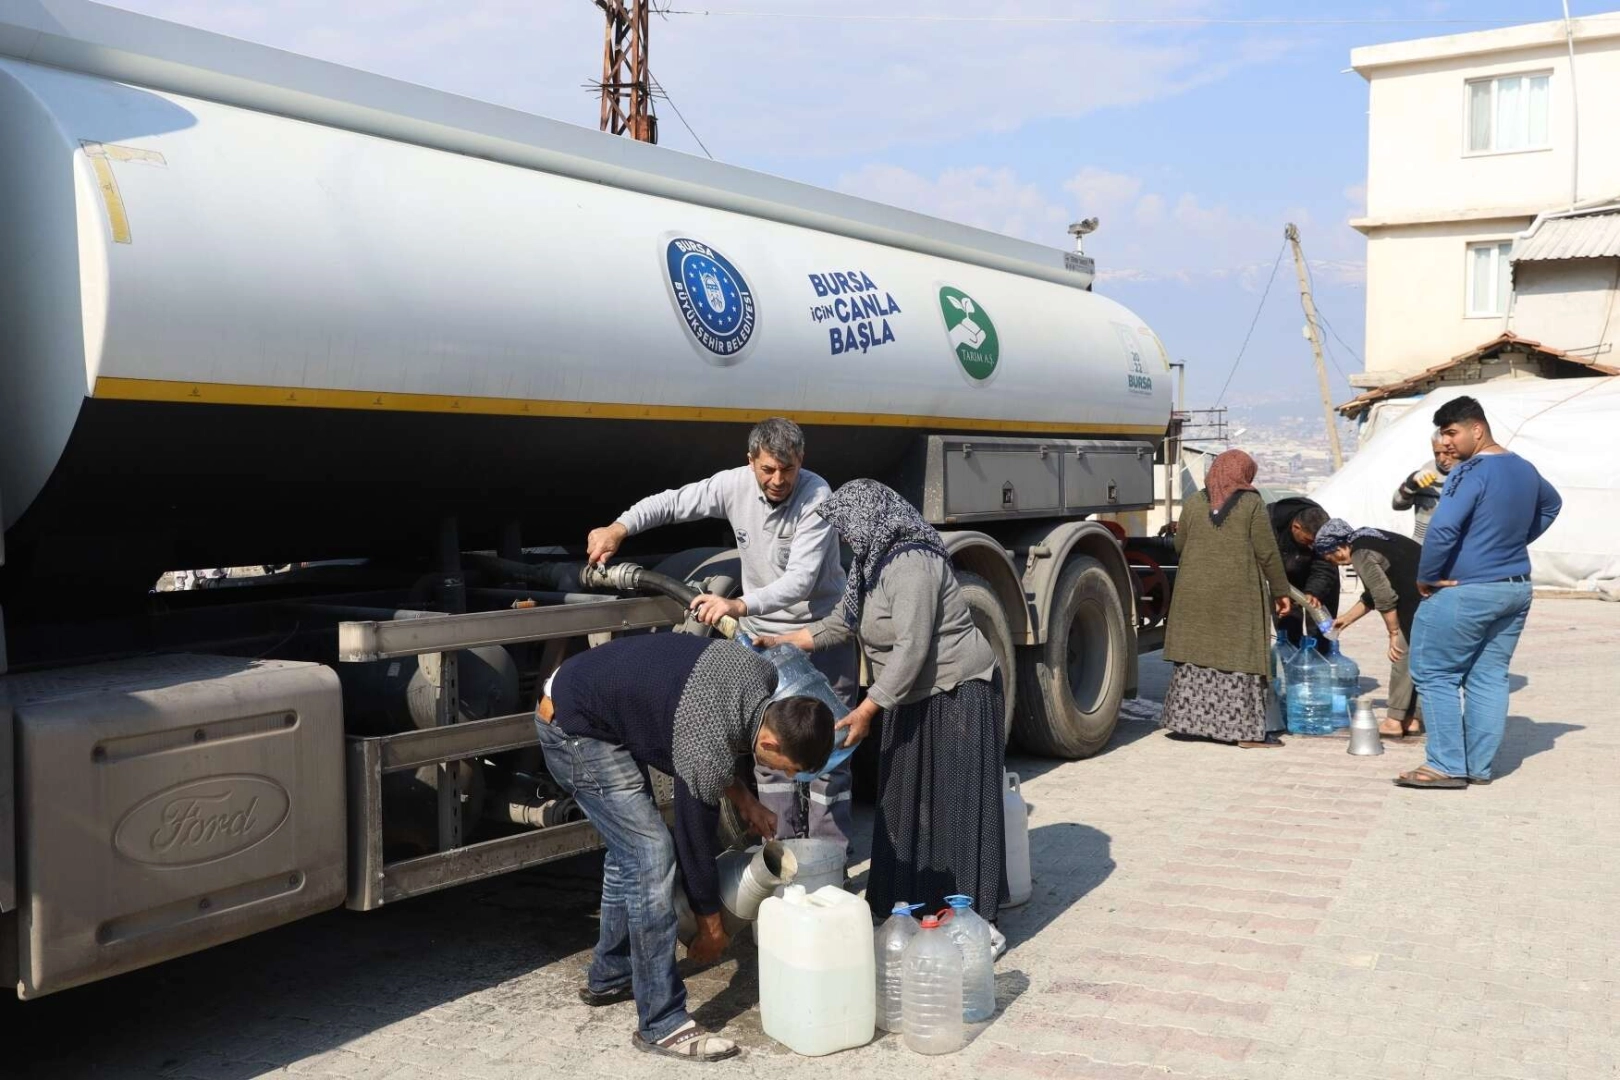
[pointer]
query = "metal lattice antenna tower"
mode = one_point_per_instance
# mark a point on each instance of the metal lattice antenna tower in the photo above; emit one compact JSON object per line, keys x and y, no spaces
{"x":626,"y":86}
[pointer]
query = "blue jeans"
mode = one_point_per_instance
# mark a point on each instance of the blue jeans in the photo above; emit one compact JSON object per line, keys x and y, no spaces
{"x":637,"y":942}
{"x":1462,"y":641}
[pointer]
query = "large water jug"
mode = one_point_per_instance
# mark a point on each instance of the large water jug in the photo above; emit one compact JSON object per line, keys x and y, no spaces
{"x":1015,"y":823}
{"x":931,"y":992}
{"x":816,"y":971}
{"x":1282,"y":651}
{"x":972,"y":935}
{"x":1346,"y":685}
{"x":796,"y":676}
{"x":1310,"y":692}
{"x":892,"y":939}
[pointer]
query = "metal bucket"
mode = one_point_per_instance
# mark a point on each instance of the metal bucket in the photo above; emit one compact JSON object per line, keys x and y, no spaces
{"x":746,"y":879}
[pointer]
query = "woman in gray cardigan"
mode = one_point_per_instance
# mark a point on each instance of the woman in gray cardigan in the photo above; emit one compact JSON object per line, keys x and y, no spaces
{"x":934,"y":678}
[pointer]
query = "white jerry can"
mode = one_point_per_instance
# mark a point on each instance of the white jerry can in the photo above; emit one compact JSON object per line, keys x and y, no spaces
{"x":1015,"y":822}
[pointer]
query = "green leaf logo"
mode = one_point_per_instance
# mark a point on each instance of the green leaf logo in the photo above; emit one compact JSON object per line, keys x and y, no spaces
{"x":971,"y":333}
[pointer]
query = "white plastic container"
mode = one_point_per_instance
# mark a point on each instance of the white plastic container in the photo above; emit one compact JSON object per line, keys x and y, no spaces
{"x":889,"y":959}
{"x":931,"y":994}
{"x":972,"y":935}
{"x":817,"y":977}
{"x":1015,"y":823}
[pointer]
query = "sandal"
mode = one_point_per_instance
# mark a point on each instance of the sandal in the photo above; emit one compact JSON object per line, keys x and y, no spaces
{"x":1425,"y":777}
{"x":1261,"y":744}
{"x":596,"y":999}
{"x":689,"y":1043}
{"x":1479,"y":781}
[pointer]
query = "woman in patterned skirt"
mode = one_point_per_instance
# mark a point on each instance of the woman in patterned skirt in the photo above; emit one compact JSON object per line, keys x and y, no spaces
{"x":1218,"y":634}
{"x":934,"y":678}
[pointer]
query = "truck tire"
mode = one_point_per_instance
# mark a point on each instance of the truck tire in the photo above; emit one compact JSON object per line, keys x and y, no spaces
{"x":993,"y":623}
{"x":1072,"y":686}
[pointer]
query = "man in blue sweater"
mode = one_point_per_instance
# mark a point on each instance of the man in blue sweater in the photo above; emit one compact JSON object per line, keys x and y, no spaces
{"x":689,"y":707}
{"x":1475,"y":577}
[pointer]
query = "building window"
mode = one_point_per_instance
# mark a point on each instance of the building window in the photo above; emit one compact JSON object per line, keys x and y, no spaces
{"x":1490,"y":276}
{"x":1507,"y":114}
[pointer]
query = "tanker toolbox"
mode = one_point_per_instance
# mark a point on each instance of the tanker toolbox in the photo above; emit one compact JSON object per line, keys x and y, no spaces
{"x":170,"y":803}
{"x":971,"y":478}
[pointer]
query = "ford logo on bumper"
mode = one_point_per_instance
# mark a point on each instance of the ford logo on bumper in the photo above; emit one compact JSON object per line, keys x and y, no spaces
{"x":202,"y":821}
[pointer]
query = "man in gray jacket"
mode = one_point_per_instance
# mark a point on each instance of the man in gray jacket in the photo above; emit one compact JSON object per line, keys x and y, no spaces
{"x":791,"y":578}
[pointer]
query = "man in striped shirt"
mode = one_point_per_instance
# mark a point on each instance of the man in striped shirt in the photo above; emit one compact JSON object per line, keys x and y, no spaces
{"x":1420,"y":492}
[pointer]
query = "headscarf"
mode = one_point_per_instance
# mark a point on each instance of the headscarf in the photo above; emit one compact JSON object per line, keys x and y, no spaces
{"x":1338,"y":533}
{"x":1230,"y":474}
{"x":877,"y":524}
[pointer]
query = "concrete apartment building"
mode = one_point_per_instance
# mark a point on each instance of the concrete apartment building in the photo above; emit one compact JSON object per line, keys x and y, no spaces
{"x":1493,"y":205}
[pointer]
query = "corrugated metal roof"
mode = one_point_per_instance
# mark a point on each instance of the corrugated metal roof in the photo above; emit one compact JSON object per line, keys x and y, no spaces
{"x":1588,"y":236}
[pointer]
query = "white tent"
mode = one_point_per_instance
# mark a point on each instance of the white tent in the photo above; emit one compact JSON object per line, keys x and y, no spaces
{"x":1563,"y":426}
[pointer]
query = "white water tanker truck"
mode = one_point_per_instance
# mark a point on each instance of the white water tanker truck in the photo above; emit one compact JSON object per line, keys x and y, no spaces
{"x":406,"y":348}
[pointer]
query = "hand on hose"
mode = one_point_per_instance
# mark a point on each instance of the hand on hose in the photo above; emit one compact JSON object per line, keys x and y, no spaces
{"x":711,"y":941}
{"x":1283,"y":606}
{"x":602,"y":544}
{"x":710,"y":609}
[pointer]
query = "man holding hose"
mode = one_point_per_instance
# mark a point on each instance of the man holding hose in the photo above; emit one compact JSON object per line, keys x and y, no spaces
{"x":791,"y":578}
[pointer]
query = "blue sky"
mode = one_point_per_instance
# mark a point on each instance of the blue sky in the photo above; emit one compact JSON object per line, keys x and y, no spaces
{"x":1195,"y":143}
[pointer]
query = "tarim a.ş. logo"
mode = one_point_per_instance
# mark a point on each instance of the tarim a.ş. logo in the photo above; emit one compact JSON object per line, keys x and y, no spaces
{"x":713,"y":299}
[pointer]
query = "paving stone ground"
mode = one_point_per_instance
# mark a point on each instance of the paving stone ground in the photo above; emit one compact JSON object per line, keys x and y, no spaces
{"x":1200,"y":912}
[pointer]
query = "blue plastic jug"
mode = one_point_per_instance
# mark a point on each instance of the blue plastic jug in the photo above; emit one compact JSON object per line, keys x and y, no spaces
{"x":1346,"y":685}
{"x":1310,"y":692}
{"x":796,"y":676}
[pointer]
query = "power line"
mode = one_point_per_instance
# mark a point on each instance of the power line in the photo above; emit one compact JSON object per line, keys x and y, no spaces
{"x":1089,"y":20}
{"x":1256,"y":322}
{"x":1324,"y":321}
{"x":659,"y":91}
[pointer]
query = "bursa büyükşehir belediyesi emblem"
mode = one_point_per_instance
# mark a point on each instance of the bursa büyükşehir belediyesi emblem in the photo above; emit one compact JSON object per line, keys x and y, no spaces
{"x":712,"y":297}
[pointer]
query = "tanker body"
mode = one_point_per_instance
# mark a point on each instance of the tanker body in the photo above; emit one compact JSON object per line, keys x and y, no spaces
{"x":271,"y":311}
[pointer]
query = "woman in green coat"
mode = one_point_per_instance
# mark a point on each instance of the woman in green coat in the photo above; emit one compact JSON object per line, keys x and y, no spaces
{"x":1219,"y":633}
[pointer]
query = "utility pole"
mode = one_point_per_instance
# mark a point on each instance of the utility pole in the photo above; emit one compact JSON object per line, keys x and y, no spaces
{"x":626,"y":85}
{"x":1313,"y":331}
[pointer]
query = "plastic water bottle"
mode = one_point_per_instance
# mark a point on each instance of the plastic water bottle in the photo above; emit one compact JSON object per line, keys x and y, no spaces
{"x":972,"y":935}
{"x":1310,"y":692}
{"x":1282,"y":651}
{"x":931,"y":992}
{"x":892,"y":938}
{"x":1346,"y":685}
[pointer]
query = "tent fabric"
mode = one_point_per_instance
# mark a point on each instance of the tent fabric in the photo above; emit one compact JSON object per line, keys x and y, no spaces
{"x":1561,"y":426}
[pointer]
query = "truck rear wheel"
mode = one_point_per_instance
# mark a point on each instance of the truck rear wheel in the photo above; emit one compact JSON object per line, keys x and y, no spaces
{"x":1071,"y":686}
{"x":993,"y":623}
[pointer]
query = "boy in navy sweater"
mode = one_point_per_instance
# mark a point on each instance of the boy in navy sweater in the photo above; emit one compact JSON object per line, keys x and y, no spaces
{"x":1475,"y":577}
{"x":689,"y":707}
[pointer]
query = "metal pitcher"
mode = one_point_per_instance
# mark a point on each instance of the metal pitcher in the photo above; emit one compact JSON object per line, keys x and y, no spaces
{"x":746,"y":879}
{"x":1364,"y":738}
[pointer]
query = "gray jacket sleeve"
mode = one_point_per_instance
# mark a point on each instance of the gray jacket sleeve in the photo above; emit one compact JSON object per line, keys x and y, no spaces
{"x":911,"y":595}
{"x":704,"y":499}
{"x":831,"y":632}
{"x":1374,"y":577}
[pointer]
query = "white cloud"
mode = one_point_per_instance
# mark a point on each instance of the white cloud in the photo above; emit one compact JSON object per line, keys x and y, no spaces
{"x":1145,"y":235}
{"x":765,"y":86}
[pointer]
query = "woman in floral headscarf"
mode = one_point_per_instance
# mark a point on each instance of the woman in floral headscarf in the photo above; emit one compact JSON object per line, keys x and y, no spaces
{"x":1218,"y":633}
{"x":934,"y":678}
